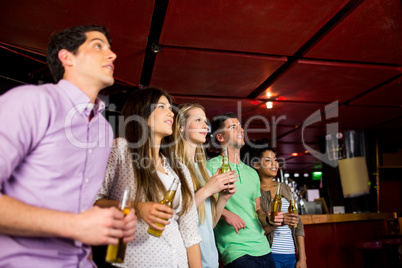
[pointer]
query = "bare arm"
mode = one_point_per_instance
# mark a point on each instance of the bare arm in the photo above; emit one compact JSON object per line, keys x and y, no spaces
{"x":302,"y":262}
{"x":194,"y":256}
{"x":233,"y":219}
{"x":106,"y":203}
{"x":95,"y":226}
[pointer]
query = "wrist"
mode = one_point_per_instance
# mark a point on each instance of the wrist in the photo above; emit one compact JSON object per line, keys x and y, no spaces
{"x":267,"y":220}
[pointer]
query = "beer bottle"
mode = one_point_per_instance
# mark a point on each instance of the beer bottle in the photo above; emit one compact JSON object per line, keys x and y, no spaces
{"x":225,"y":167}
{"x":276,"y":204}
{"x":116,"y":253}
{"x":167,"y":201}
{"x":292,"y":209}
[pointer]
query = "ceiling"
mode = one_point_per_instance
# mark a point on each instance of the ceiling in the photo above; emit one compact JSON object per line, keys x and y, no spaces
{"x":318,"y":61}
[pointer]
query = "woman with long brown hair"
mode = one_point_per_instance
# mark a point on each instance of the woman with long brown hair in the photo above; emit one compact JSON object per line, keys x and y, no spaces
{"x":142,"y":161}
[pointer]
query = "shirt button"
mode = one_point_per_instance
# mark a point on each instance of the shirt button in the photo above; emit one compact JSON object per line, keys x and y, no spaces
{"x":86,"y":180}
{"x":90,"y":151}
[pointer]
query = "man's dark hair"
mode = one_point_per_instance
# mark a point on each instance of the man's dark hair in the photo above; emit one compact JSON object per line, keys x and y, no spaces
{"x":253,"y":151}
{"x":70,"y":39}
{"x":218,"y":124}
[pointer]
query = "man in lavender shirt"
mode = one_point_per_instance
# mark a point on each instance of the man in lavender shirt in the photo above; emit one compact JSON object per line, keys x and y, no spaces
{"x":54,"y":146}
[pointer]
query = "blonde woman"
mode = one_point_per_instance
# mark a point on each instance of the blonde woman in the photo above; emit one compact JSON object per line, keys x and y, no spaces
{"x":190,"y":131}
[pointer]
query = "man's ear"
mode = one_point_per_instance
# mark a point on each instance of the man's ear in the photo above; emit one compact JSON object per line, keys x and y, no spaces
{"x":220,"y":138}
{"x":65,"y":57}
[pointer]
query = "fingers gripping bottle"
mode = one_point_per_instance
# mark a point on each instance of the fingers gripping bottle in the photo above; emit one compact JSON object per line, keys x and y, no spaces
{"x":116,"y":253}
{"x":276,"y":204}
{"x":167,"y":201}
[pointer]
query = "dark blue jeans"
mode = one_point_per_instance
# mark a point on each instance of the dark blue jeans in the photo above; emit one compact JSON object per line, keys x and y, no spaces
{"x":265,"y":261}
{"x":284,"y":260}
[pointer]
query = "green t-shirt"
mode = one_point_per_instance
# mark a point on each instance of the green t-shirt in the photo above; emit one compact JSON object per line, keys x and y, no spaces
{"x":250,"y":240}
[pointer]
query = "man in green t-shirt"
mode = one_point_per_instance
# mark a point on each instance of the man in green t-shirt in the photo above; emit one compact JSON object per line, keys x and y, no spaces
{"x":239,"y":233}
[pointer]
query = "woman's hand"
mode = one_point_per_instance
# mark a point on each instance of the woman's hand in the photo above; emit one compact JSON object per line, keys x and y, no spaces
{"x":219,"y":182}
{"x":290,"y":219}
{"x":153,"y":213}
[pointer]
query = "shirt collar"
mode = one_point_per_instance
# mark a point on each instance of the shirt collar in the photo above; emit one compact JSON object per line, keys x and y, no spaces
{"x":82,"y":103}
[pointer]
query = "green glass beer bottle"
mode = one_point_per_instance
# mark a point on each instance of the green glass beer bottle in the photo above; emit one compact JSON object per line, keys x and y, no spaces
{"x":225,"y":167}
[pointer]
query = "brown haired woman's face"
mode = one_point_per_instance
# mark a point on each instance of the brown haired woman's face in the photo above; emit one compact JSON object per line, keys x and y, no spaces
{"x":196,"y":126}
{"x":161,"y":119}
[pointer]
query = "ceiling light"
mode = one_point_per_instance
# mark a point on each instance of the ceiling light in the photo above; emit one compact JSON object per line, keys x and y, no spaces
{"x":295,"y":154}
{"x":270,"y":104}
{"x":269,"y":94}
{"x":286,"y":175}
{"x":296,"y":175}
{"x":305,"y":175}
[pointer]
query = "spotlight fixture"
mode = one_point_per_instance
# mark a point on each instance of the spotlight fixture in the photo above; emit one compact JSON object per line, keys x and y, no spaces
{"x":270,"y":104}
{"x":286,"y":175}
{"x":155,"y":47}
{"x":296,"y":175}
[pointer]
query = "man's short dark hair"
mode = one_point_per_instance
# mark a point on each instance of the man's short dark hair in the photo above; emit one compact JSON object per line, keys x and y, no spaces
{"x":218,"y":124}
{"x":70,"y":39}
{"x":253,"y":151}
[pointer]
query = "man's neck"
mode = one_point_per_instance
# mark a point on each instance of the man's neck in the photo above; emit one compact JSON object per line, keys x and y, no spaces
{"x":88,"y":88}
{"x":234,"y":155}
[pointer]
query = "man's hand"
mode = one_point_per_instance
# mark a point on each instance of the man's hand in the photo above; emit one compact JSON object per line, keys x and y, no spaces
{"x":98,"y":226}
{"x":234,"y":220}
{"x":130,"y":226}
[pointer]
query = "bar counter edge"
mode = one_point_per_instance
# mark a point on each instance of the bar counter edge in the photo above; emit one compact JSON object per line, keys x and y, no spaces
{"x":348,"y":217}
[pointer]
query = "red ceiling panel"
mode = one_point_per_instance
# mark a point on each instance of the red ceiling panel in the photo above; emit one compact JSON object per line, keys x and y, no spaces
{"x":360,"y":117}
{"x":286,"y":113}
{"x":308,"y":135}
{"x":269,"y":27}
{"x":372,"y":33}
{"x":195,"y":72}
{"x":387,"y":95}
{"x":321,"y":81}
{"x":129,"y":21}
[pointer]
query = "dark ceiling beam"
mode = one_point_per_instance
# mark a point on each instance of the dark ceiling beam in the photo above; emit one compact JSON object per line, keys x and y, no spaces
{"x":332,"y":23}
{"x":158,"y":18}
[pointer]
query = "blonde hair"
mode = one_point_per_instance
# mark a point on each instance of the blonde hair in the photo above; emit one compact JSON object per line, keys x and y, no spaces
{"x":181,"y":153}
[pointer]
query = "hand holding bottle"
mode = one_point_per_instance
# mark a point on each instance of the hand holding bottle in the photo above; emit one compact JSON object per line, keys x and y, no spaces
{"x":276,"y":206}
{"x":167,"y":202}
{"x":116,"y":253}
{"x":221,"y":181}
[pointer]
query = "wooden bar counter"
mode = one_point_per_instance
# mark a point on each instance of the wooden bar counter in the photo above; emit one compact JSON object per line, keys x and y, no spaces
{"x":329,"y":238}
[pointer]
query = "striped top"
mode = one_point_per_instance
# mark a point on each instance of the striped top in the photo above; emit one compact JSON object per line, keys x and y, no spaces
{"x":283,"y":240}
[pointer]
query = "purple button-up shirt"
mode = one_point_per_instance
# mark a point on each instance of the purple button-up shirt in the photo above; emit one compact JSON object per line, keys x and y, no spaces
{"x":51,"y":156}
